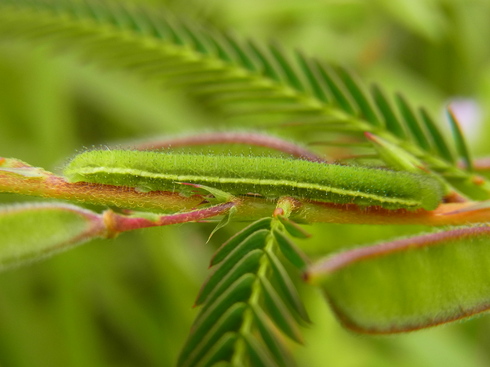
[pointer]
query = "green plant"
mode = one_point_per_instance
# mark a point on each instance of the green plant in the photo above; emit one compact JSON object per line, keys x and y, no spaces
{"x":250,"y":301}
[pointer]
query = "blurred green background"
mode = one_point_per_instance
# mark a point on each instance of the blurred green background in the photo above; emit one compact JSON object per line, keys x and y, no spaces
{"x":128,"y":301}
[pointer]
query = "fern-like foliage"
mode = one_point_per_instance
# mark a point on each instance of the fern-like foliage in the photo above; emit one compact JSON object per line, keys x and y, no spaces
{"x":249,"y":305}
{"x":240,"y":77}
{"x":248,"y":301}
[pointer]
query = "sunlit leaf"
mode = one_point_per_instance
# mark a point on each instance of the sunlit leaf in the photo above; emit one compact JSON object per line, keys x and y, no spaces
{"x":31,"y":232}
{"x":409,"y":283}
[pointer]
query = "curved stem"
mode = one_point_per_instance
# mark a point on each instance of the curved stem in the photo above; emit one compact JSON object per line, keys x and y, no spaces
{"x":231,"y":137}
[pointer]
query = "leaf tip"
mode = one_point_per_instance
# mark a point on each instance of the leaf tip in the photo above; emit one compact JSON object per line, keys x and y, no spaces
{"x":459,"y":138}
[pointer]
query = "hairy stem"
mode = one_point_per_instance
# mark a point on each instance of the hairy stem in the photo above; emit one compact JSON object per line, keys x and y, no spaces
{"x":18,"y":177}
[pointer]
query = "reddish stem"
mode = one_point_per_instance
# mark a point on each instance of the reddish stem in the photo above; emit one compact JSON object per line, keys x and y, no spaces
{"x":52,"y":186}
{"x":247,"y":138}
{"x":349,"y":257}
{"x":45,"y":184}
{"x":117,"y":223}
{"x":480,"y":164}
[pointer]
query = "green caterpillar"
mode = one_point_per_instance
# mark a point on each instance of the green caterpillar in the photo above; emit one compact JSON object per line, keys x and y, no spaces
{"x":269,"y":177}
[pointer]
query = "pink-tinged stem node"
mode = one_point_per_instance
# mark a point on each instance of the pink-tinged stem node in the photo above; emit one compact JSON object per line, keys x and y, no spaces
{"x":117,"y":223}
